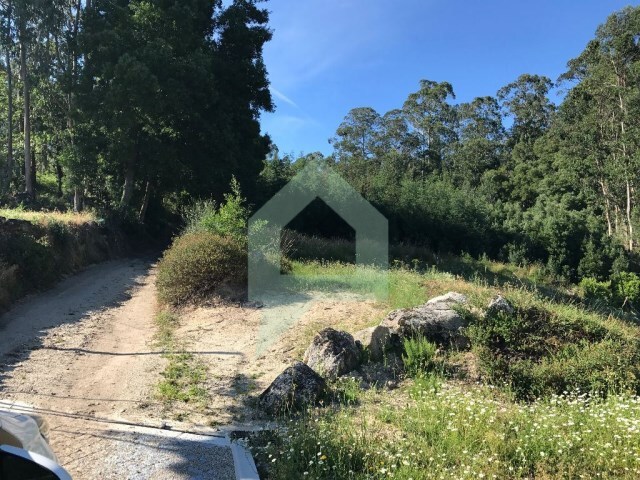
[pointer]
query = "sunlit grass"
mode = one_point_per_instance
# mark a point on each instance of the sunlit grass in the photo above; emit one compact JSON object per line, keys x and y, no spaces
{"x":184,"y":377}
{"x":43,"y":217}
{"x":437,"y":427}
{"x":435,"y":430}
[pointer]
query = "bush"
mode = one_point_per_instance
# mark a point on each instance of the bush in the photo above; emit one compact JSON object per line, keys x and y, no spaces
{"x":592,"y":289}
{"x":228,"y":220}
{"x":419,"y":356}
{"x":538,"y":352}
{"x":201,"y":264}
{"x":625,"y":288}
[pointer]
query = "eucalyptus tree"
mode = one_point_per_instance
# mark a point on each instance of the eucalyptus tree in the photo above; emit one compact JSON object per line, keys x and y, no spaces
{"x":432,"y":119}
{"x":358,"y":135}
{"x":604,"y":126}
{"x":480,"y":143}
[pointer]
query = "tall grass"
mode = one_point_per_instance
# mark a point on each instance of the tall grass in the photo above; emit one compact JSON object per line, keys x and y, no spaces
{"x":434,"y":431}
{"x":44,"y":217}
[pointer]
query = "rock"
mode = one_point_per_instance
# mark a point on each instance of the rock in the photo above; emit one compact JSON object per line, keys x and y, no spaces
{"x":333,"y":353}
{"x":436,"y":320}
{"x":500,"y":304}
{"x":449,"y":299}
{"x":298,"y":386}
{"x":375,"y":340}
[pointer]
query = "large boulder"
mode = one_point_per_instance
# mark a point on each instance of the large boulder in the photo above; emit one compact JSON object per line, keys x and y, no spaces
{"x":375,"y":341}
{"x":294,"y":389}
{"x":436,"y":320}
{"x":333,"y":353}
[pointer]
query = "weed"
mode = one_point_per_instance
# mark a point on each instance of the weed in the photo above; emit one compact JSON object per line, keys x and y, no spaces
{"x":419,"y":356}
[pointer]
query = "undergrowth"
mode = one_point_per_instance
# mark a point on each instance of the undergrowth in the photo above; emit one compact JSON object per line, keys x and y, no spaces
{"x":434,"y":430}
{"x":184,"y":377}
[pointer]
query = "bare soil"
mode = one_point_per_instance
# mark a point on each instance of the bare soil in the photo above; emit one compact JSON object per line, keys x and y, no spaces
{"x":83,"y":355}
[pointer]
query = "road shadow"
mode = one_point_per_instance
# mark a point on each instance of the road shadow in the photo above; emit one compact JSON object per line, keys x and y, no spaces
{"x":96,"y":289}
{"x":130,"y":451}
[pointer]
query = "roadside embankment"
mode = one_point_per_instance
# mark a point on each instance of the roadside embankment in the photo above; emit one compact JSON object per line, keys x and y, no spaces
{"x":37,"y":252}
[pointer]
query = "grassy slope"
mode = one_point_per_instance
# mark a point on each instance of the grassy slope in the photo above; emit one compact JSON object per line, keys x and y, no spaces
{"x":44,"y":218}
{"x":438,"y":426}
{"x":36,"y":253}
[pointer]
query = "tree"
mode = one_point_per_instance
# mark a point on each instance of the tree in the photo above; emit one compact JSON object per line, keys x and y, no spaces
{"x":358,"y":135}
{"x":432,"y":120}
{"x":8,"y":42}
{"x":601,"y":117}
{"x":526,"y":101}
{"x":480,"y":144}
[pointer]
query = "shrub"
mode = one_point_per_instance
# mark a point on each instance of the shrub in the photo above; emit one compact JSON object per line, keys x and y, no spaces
{"x":539,"y":352}
{"x":592,"y":289}
{"x":625,"y":287}
{"x":419,"y":356}
{"x":228,"y":220}
{"x":198,"y":265}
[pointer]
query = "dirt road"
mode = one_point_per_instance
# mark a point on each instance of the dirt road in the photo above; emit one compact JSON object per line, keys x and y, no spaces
{"x":82,"y":355}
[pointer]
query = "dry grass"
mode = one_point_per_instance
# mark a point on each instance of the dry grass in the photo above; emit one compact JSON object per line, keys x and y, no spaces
{"x":44,"y":218}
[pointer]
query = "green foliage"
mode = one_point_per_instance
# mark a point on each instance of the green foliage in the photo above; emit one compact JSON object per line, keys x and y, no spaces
{"x":429,"y":432}
{"x":230,"y":219}
{"x":41,"y":248}
{"x":592,"y":289}
{"x":539,"y":351}
{"x":625,"y":287}
{"x":134,"y":104}
{"x":201,"y":264}
{"x":419,"y":356}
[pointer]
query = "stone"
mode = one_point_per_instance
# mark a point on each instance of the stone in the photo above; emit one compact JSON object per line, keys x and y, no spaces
{"x":333,"y":353}
{"x":499,"y":304}
{"x":449,"y":299}
{"x":294,"y":389}
{"x":375,"y":341}
{"x":436,"y":321}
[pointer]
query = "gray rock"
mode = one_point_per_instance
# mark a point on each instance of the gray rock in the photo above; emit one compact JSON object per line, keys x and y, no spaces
{"x":333,"y":353}
{"x":436,"y":320}
{"x":294,"y":389}
{"x":449,"y":299}
{"x":500,"y":304}
{"x":375,"y":340}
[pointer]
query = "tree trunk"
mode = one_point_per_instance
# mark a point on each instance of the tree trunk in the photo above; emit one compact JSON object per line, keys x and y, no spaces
{"x":28,"y":172}
{"x":629,"y":224}
{"x":9,"y":166}
{"x":33,"y":168}
{"x":607,"y":207}
{"x":145,"y":202}
{"x":129,"y":181}
{"x":78,"y":200}
{"x":59,"y":177}
{"x":10,"y":160}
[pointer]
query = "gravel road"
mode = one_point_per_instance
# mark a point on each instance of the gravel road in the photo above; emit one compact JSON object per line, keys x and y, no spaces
{"x":82,"y":355}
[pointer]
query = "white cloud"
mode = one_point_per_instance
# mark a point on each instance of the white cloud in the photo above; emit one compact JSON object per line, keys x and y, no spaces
{"x":313,"y":36}
{"x":281,"y":96}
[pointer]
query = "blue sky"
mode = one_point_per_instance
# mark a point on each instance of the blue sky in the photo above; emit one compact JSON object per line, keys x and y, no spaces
{"x":328,"y":56}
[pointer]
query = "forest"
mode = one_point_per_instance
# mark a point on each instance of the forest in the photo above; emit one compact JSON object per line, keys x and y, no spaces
{"x":514,"y":176}
{"x":120,"y":105}
{"x":502,"y":341}
{"x":139,"y":108}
